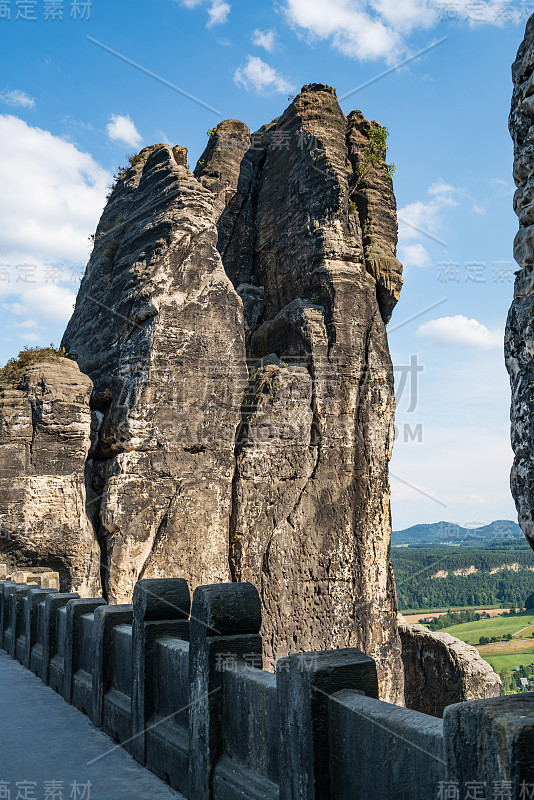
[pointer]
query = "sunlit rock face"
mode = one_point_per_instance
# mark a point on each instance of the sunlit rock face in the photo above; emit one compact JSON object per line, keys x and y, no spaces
{"x":519,"y":341}
{"x":233,"y":321}
{"x":159,"y":328}
{"x":440,"y":670}
{"x":45,"y":427}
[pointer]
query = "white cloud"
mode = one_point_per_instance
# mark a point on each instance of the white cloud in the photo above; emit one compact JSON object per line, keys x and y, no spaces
{"x":162,"y":136}
{"x":460,"y":331}
{"x":423,"y":220}
{"x":17,"y":98}
{"x":35,"y":292}
{"x":414,"y":255}
{"x":502,"y":187}
{"x":27,"y":323}
{"x":49,"y":302}
{"x":30,"y":337}
{"x":422,"y":217}
{"x":218,"y":10}
{"x":265,"y":39}
{"x":367,"y":29}
{"x":52,"y":198}
{"x":444,"y":193}
{"x":261,"y":77}
{"x":122,"y":129}
{"x":218,"y":13}
{"x":503,"y":183}
{"x":462,"y":403}
{"x":347,"y":24}
{"x":52,"y":195}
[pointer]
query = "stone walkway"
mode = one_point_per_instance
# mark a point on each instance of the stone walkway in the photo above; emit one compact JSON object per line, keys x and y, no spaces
{"x":45,"y":740}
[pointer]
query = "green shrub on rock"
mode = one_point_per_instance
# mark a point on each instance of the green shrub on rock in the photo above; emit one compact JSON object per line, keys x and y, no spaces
{"x":15,"y":368}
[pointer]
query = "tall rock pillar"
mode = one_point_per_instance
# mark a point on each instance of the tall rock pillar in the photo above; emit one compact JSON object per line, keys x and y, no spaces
{"x":234,"y":324}
{"x":519,"y":341}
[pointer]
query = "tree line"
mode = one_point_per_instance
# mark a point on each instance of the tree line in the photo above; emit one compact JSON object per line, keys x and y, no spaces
{"x":416,"y":588}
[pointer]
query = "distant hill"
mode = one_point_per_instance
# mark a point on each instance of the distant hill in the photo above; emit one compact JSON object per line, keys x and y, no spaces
{"x":442,"y":533}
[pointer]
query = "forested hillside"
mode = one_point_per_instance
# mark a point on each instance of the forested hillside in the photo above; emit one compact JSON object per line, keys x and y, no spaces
{"x":442,"y":577}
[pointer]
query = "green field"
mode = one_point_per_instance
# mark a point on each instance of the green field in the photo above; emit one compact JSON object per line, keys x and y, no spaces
{"x":510,"y":661}
{"x":471,"y":632}
{"x":426,"y":611}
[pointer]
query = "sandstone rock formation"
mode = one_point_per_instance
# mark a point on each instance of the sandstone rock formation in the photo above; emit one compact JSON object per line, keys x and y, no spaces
{"x":440,"y":670}
{"x":519,"y":342}
{"x":313,"y":255}
{"x":45,"y":426}
{"x":233,"y":323}
{"x":159,"y":328}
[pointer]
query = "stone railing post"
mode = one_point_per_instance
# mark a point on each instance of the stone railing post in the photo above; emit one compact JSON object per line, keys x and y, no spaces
{"x":53,"y":602}
{"x":225,"y":624}
{"x":160,"y":608}
{"x":106,"y":618}
{"x":304,"y":684}
{"x":489,"y":747}
{"x":35,"y":596}
{"x":17,"y":615}
{"x":5,"y":594}
{"x":75,"y":610}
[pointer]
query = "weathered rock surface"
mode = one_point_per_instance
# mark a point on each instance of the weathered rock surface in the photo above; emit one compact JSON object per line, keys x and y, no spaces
{"x":233,"y":322}
{"x":45,"y":424}
{"x":440,"y":670}
{"x":310,"y":523}
{"x":159,"y":328}
{"x":40,"y":576}
{"x":519,"y":341}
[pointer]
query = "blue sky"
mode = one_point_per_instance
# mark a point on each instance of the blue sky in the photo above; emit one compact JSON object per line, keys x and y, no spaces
{"x":70,"y":111}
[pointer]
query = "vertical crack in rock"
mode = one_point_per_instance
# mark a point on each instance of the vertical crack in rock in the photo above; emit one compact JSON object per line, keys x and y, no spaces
{"x":158,"y":537}
{"x":35,"y":423}
{"x":241,"y":436}
{"x":519,"y":338}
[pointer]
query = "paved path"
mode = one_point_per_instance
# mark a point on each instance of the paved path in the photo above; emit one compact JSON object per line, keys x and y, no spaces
{"x":44,"y":739}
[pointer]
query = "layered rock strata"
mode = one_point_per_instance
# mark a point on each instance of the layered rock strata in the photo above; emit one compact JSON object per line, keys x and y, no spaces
{"x":45,"y":427}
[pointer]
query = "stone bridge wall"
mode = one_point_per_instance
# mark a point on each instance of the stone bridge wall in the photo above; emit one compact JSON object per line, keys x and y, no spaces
{"x":180,"y":686}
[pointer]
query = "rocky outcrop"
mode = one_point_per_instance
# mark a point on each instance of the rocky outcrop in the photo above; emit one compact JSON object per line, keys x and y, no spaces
{"x":519,"y":342}
{"x":45,"y":426}
{"x":440,"y":670}
{"x":234,"y":324}
{"x":311,"y":250}
{"x":159,"y":328}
